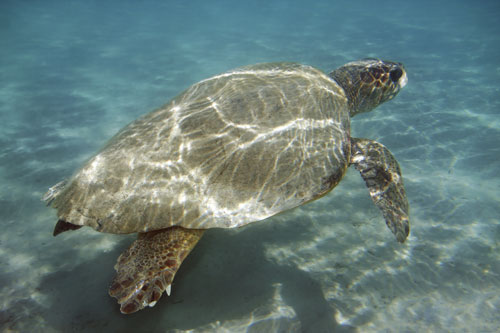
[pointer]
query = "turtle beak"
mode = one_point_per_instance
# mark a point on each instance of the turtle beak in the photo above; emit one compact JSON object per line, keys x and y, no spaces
{"x":403,"y":80}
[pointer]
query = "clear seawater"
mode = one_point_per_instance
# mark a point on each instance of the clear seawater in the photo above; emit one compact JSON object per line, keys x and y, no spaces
{"x":74,"y":72}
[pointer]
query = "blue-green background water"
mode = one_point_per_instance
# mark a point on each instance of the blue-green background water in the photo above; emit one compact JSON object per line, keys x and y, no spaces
{"x":74,"y":72}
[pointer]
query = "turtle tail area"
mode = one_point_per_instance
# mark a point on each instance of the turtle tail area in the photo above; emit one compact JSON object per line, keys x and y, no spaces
{"x":62,"y":226}
{"x":382,"y":176}
{"x":147,"y":268}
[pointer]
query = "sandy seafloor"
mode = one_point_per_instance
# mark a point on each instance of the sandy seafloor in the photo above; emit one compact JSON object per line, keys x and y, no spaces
{"x":73,"y":72}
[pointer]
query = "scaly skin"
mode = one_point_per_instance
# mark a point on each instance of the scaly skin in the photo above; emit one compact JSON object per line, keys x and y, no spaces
{"x":147,"y":268}
{"x":382,"y":176}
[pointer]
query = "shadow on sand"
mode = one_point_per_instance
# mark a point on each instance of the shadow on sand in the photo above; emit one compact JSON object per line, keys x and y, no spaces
{"x":226,"y":277}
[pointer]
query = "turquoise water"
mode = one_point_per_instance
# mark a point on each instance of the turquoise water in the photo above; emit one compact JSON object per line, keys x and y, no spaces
{"x":72,"y":73}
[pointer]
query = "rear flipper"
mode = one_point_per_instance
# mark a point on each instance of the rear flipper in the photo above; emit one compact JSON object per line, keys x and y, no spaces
{"x":382,"y":176}
{"x":148,"y":266}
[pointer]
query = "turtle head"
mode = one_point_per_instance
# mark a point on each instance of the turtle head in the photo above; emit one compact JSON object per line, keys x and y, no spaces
{"x":368,"y":83}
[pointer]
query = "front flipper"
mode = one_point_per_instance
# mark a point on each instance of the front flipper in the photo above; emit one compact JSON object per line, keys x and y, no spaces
{"x":382,"y":176}
{"x":148,"y":266}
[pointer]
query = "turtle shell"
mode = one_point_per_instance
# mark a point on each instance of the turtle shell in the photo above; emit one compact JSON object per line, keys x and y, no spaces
{"x":230,"y":150}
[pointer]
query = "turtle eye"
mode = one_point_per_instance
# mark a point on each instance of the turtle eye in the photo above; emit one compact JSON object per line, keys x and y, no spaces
{"x":396,"y":74}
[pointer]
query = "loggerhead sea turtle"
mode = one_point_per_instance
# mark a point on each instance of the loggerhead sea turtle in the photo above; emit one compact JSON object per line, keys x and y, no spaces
{"x":232,"y":149}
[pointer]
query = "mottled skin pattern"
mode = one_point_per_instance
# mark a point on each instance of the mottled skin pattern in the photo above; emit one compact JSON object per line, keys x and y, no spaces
{"x":148,"y":266}
{"x":382,"y":176}
{"x":233,"y":149}
{"x":368,"y":83}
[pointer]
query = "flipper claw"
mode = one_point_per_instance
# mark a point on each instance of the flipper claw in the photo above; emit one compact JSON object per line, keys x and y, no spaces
{"x":169,"y":289}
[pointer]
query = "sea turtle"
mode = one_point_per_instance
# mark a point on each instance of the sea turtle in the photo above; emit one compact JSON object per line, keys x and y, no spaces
{"x":233,"y":149}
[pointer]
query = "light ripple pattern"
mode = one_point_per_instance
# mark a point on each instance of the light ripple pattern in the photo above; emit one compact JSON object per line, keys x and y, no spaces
{"x":72,"y":73}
